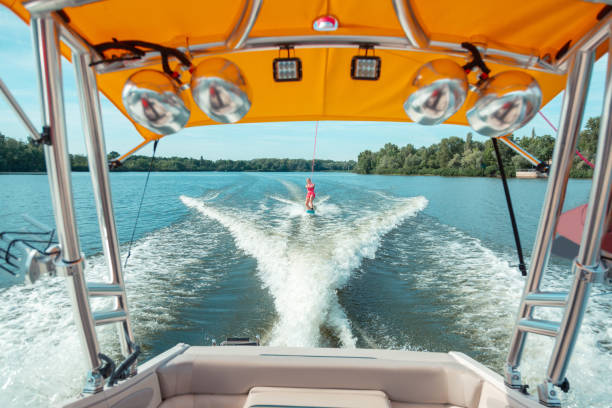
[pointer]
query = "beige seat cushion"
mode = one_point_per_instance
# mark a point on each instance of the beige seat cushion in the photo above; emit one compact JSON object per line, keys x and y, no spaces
{"x":204,"y":401}
{"x":262,"y":397}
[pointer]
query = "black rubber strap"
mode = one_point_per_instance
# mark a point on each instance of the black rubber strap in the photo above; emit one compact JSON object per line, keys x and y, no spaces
{"x":517,"y":239}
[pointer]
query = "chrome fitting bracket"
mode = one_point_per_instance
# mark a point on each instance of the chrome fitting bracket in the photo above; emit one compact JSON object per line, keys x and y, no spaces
{"x":548,"y":395}
{"x":66,"y":269}
{"x":599,"y":273}
{"x":512,"y":377}
{"x":37,"y":264}
{"x":94,"y":383}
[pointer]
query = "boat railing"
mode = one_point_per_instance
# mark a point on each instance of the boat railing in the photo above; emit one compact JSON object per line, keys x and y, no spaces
{"x":68,"y":260}
{"x":587,"y":267}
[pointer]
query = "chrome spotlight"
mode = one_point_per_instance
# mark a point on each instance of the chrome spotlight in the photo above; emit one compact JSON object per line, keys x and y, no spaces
{"x":153,"y":99}
{"x":441,"y":88}
{"x":506,"y":102}
{"x":220,"y":90}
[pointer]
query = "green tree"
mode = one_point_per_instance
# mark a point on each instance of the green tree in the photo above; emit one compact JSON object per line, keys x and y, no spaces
{"x":365,"y":162}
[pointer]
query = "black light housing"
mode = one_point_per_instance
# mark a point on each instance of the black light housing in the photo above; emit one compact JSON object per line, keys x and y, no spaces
{"x":365,"y":68}
{"x":287,"y":69}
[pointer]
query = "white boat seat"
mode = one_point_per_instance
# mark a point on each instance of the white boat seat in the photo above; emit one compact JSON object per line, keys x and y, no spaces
{"x":415,"y":383}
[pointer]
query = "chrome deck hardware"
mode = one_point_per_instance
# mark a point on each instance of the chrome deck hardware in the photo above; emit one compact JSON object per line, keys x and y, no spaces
{"x":240,"y":341}
{"x":32,"y":253}
{"x":46,"y":33}
{"x":587,"y":268}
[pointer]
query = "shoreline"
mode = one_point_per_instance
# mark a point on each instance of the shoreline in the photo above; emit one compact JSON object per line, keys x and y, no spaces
{"x":25,"y":173}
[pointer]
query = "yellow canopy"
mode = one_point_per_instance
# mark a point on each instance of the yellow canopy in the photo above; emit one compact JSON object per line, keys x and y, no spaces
{"x":539,"y":29}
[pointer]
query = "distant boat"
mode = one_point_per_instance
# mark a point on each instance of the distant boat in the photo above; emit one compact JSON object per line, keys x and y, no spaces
{"x":530,"y":174}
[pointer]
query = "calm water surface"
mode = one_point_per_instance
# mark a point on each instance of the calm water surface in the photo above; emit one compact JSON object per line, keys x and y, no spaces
{"x":420,"y":263}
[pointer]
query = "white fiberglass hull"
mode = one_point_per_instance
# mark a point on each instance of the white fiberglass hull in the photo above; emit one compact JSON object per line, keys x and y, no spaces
{"x":228,"y":377}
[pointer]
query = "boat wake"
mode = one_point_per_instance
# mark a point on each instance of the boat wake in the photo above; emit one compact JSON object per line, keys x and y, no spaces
{"x":38,"y":320}
{"x":294,"y":208}
{"x":482,"y":293}
{"x":303,"y":266}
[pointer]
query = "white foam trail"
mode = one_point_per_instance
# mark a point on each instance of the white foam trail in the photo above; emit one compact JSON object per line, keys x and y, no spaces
{"x":211,"y":196}
{"x":303,"y":273}
{"x":297,"y":209}
{"x":37,"y":330}
{"x":386,"y":196}
{"x":286,"y":201}
{"x":320,"y":200}
{"x":37,"y":335}
{"x":486,"y":293}
{"x":295,"y":191}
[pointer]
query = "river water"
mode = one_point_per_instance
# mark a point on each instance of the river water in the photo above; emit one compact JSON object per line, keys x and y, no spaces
{"x":418,"y":263}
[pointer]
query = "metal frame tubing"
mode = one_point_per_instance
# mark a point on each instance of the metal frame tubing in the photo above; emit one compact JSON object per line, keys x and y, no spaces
{"x":572,"y":111}
{"x":407,"y":19}
{"x":589,"y":41}
{"x":46,"y":45}
{"x":252,"y":44}
{"x":245,"y":24}
{"x":587,"y":264}
{"x":44,"y":6}
{"x":18,"y":111}
{"x":98,"y":169}
{"x":127,"y":155}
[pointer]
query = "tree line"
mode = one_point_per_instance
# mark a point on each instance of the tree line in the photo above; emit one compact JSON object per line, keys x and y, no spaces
{"x":141,"y":163}
{"x":455,"y":156}
{"x":18,"y":156}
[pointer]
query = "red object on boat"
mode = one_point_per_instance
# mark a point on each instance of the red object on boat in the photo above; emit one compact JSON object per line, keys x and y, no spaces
{"x":570,"y":226}
{"x":325,"y":23}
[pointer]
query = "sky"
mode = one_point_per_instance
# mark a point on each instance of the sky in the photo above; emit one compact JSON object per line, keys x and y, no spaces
{"x":336,"y":140}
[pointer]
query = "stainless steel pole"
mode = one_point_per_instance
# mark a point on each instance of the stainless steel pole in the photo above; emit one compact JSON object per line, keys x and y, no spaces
{"x":98,"y":169}
{"x":34,"y":134}
{"x":576,"y":90}
{"x":46,"y":46}
{"x":587,"y":264}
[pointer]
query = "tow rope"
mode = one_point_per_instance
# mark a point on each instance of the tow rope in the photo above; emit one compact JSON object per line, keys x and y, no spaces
{"x":140,"y":205}
{"x":314,"y":151}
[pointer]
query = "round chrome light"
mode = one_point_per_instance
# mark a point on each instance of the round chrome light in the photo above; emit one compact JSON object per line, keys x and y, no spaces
{"x":154,"y":100}
{"x":506,"y":102}
{"x":441,"y":88}
{"x":220,"y":90}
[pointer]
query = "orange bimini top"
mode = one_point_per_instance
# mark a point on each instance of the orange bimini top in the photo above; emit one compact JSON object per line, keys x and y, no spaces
{"x":535,"y":37}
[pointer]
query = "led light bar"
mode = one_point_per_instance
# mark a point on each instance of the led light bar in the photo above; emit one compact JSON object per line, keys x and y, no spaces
{"x":287,"y":69}
{"x":366,"y":68}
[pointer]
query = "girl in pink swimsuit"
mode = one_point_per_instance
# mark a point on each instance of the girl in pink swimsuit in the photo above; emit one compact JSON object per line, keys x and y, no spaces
{"x":310,"y":195}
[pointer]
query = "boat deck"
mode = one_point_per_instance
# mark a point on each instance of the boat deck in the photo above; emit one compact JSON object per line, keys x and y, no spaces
{"x":236,"y":377}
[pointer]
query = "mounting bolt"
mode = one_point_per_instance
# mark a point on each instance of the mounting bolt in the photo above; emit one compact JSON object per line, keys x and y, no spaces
{"x":565,"y":385}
